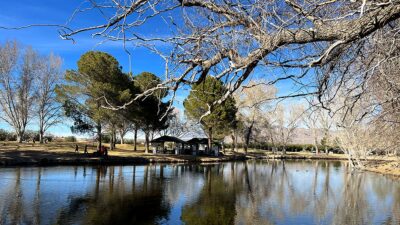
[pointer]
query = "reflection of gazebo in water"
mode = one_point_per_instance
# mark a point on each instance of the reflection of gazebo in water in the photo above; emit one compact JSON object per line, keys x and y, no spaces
{"x":158,"y":145}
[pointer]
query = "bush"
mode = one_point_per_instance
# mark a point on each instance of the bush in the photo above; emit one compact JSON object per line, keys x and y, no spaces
{"x":3,"y":135}
{"x":289,"y":148}
{"x":70,"y":139}
{"x":30,"y":135}
{"x":105,"y":138}
{"x":7,"y":136}
{"x":49,"y":137}
{"x":128,"y":141}
{"x":11,"y":137}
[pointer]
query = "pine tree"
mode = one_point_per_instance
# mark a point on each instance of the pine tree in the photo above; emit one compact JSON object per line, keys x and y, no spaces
{"x":222,"y":116}
{"x":99,"y":81}
{"x":153,"y":114}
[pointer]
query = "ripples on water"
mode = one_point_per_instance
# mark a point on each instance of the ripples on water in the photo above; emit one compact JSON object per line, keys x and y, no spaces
{"x":274,"y":192}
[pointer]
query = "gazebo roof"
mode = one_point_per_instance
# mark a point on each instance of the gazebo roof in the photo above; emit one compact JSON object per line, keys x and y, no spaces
{"x":198,"y":141}
{"x":165,"y":138}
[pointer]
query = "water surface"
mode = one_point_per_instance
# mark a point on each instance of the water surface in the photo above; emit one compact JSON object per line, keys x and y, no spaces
{"x":253,"y":192}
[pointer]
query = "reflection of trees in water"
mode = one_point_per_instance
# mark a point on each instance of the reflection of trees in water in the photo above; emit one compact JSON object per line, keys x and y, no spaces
{"x":184,"y":182}
{"x":216,"y":202}
{"x":387,"y":189}
{"x":115,"y":205}
{"x":251,"y":192}
{"x":364,"y":196}
{"x":265,"y":193}
{"x":353,"y":207}
{"x":17,"y":207}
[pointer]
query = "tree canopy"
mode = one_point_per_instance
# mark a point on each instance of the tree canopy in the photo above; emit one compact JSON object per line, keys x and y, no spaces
{"x":199,"y":101}
{"x":98,"y":81}
{"x":153,"y":114}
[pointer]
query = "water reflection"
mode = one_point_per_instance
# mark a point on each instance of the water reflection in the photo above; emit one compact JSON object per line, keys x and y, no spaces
{"x":269,"y":192}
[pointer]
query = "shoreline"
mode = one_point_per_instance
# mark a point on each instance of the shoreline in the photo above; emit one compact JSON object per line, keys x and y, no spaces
{"x":384,"y":168}
{"x":115,"y":160}
{"x":62,"y":154}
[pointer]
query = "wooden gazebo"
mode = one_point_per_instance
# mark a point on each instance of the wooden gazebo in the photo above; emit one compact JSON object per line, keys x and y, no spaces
{"x":158,"y":144}
{"x":197,"y":145}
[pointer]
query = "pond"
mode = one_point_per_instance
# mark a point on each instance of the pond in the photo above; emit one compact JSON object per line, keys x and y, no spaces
{"x":252,"y":192}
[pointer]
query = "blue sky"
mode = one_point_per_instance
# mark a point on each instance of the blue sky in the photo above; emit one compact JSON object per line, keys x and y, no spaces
{"x":47,"y":40}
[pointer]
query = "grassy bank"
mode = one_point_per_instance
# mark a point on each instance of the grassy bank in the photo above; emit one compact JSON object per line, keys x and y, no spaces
{"x":63,"y":153}
{"x":391,"y":168}
{"x":388,"y":165}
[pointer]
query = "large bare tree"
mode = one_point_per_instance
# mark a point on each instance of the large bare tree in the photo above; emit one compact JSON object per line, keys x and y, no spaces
{"x":48,"y":108}
{"x":282,"y":124}
{"x":233,"y":39}
{"x":253,"y":102}
{"x":18,"y":69}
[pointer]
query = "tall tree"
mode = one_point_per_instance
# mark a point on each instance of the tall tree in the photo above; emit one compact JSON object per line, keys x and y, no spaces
{"x":153,"y":114}
{"x":287,"y":120}
{"x":123,"y":127}
{"x":253,"y":102}
{"x":17,"y":90}
{"x":98,"y":81}
{"x":48,"y":108}
{"x":199,"y":101}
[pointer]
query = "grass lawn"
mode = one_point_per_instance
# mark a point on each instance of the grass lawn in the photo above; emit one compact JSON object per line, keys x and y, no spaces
{"x":13,"y":153}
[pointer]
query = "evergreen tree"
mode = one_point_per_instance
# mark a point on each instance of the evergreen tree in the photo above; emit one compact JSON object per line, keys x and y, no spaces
{"x":97,"y":82}
{"x":222,"y":116}
{"x":153,"y":114}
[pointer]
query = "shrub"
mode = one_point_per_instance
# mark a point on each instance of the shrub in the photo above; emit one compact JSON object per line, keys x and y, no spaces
{"x":105,"y":138}
{"x":289,"y":148}
{"x":49,"y":137}
{"x":3,"y":135}
{"x":70,"y":139}
{"x":30,"y":135}
{"x":7,"y":136}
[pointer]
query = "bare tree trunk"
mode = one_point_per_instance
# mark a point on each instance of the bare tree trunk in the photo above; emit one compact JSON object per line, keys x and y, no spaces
{"x":147,"y":134}
{"x":247,"y":137}
{"x":210,"y":140}
{"x":111,"y":141}
{"x":99,"y":136}
{"x":121,"y":135}
{"x":273,"y":146}
{"x":233,"y":142}
{"x":41,"y":136}
{"x":114,"y":138}
{"x":19,"y":137}
{"x":135,"y":139}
